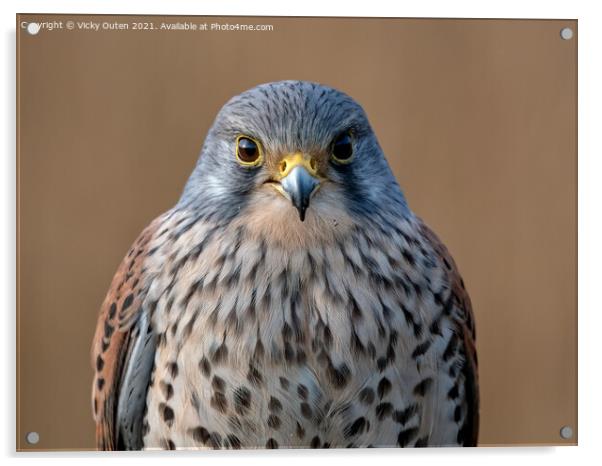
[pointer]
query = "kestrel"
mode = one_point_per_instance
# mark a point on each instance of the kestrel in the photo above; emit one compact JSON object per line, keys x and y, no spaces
{"x":290,"y":299}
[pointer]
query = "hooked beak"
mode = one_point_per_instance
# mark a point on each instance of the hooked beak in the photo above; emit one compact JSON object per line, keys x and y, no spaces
{"x":299,"y":185}
{"x":299,"y":181}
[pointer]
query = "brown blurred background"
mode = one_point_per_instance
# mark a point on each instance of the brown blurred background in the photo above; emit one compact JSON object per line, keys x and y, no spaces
{"x":477,"y":118}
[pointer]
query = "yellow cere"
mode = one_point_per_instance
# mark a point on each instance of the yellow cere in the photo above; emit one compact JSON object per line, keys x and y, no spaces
{"x":297,"y":159}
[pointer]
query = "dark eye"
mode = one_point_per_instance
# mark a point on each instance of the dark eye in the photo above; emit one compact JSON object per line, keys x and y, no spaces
{"x":248,"y":151}
{"x":342,"y":148}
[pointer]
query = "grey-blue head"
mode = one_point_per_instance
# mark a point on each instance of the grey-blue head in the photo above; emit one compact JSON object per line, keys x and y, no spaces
{"x":292,"y":146}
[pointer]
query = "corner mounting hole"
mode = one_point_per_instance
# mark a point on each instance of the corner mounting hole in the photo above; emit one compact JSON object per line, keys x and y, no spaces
{"x":566,"y":432}
{"x":33,"y":28}
{"x":566,"y":33}
{"x":32,"y":438}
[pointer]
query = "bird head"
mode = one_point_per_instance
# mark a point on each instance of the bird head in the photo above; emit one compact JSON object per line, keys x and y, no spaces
{"x":293,"y":155}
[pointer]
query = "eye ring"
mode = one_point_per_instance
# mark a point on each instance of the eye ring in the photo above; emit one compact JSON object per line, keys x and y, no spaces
{"x":342,"y":148}
{"x":249,"y":152}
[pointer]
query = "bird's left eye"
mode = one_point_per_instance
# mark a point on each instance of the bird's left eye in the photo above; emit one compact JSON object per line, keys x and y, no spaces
{"x":248,"y":151}
{"x":342,"y":148}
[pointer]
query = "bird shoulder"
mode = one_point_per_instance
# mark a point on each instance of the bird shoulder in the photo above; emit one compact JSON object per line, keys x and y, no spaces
{"x":463,"y":318}
{"x":116,"y":334}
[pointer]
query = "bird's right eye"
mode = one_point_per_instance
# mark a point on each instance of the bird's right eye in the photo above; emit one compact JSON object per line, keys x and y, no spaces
{"x":248,"y":151}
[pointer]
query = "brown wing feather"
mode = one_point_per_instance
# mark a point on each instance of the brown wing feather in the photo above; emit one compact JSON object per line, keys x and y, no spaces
{"x":464,"y":319}
{"x":112,"y":340}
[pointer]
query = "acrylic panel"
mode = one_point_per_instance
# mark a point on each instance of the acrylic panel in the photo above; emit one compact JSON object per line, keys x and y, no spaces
{"x":378,"y":249}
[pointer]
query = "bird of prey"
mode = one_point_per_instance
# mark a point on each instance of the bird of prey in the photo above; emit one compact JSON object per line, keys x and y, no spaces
{"x":290,"y":299}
